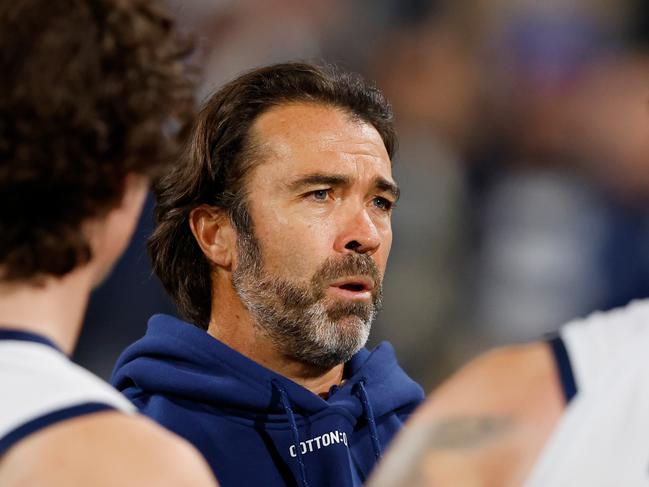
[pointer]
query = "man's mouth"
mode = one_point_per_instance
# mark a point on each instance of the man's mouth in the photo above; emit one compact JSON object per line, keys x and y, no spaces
{"x":354,"y":287}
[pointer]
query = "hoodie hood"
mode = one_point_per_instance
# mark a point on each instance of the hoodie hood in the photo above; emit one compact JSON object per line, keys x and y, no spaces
{"x":176,"y":363}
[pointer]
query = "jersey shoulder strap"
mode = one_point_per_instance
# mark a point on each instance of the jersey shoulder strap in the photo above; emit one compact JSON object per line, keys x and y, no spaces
{"x":41,"y":386}
{"x":584,"y":349}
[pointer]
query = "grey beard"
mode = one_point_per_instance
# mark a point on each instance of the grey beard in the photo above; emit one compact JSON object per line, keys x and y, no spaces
{"x":293,"y":315}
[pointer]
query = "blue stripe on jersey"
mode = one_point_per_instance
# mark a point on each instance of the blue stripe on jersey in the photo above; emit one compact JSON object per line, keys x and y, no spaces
{"x":34,"y":425}
{"x":25,"y":336}
{"x":564,"y":367}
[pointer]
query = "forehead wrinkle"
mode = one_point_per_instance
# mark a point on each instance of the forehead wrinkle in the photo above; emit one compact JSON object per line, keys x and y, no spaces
{"x":279,"y":136}
{"x":329,"y":134}
{"x":366,"y":141}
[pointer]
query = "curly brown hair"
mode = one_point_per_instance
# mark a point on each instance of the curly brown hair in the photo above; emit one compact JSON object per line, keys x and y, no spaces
{"x":219,"y":154}
{"x":90,"y":91}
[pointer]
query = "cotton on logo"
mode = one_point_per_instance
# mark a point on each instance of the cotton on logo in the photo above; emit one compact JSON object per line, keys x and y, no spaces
{"x":322,"y":441}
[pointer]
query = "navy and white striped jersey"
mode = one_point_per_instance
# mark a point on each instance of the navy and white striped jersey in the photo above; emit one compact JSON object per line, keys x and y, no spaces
{"x":603,"y":437}
{"x":40,"y":386}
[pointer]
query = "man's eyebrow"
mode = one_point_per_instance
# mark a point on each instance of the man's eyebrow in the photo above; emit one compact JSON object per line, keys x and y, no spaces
{"x":388,"y":186}
{"x":315,"y":179}
{"x":319,"y":178}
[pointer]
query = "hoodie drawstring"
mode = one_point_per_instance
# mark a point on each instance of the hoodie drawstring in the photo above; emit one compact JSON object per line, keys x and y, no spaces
{"x":369,"y":415}
{"x":296,"y":435}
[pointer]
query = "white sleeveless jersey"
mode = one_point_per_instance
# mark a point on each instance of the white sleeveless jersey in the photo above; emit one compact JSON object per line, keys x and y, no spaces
{"x":602,"y":439}
{"x":40,"y":386}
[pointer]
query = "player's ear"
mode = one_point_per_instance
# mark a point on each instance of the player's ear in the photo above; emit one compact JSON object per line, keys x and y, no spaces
{"x":214,"y":233}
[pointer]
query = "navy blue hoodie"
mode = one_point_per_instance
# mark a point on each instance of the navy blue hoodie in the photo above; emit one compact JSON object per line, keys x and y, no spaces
{"x":256,"y":427}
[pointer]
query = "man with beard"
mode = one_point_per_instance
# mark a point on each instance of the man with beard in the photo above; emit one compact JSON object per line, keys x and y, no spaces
{"x":272,"y":236}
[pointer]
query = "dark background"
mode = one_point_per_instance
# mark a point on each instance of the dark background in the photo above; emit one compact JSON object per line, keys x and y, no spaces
{"x":524,"y":149}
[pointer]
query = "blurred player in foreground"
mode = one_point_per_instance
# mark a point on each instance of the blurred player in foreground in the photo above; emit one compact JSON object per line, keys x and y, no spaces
{"x":571,"y":411}
{"x":86,"y":89}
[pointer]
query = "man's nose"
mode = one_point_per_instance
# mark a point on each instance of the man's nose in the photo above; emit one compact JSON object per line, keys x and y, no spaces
{"x":358,"y":234}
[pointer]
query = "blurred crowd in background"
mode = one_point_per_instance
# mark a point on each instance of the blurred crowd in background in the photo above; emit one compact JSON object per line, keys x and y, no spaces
{"x":523,"y":161}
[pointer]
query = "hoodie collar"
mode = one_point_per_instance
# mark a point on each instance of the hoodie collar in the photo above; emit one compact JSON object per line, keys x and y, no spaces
{"x":192,"y":364}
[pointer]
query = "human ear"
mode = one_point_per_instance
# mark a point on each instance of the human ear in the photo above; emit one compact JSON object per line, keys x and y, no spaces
{"x":214,"y":234}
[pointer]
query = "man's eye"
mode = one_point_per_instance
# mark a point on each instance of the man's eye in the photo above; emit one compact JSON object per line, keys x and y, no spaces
{"x":383,"y":203}
{"x":320,"y":194}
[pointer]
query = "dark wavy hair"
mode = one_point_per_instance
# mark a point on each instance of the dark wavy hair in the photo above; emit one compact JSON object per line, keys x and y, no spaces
{"x":90,"y":91}
{"x":219,"y":154}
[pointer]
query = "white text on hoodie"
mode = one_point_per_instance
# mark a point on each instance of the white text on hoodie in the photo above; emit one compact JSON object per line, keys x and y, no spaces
{"x":331,"y":438}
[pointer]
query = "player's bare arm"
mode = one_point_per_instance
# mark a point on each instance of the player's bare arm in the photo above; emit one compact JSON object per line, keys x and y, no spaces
{"x":132,"y":452}
{"x":485,"y":426}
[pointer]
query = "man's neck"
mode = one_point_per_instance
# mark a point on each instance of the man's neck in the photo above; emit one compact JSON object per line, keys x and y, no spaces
{"x":53,"y":308}
{"x":236,"y":329}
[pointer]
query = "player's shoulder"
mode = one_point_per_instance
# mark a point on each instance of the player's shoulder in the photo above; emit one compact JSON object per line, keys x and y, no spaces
{"x":607,"y":332}
{"x":518,"y":376}
{"x":512,"y":377}
{"x":483,"y":426}
{"x":104,"y":449}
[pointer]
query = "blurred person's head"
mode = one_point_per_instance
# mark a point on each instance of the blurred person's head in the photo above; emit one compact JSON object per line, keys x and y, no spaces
{"x":608,"y":120}
{"x":281,"y":206}
{"x":442,"y":94}
{"x":537,"y":52}
{"x":93,"y":92}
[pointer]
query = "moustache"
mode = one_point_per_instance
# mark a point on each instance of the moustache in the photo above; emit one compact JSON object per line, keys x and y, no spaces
{"x":349,"y":265}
